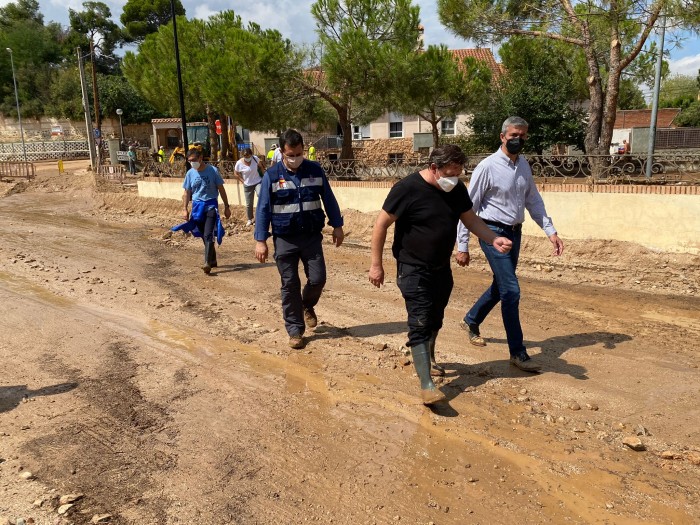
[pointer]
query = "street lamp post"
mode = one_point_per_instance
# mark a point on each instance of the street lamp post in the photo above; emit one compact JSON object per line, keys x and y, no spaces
{"x":19,"y":116}
{"x":120,"y":112}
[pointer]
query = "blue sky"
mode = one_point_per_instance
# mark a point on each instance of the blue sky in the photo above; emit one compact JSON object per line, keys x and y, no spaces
{"x":293,"y":19}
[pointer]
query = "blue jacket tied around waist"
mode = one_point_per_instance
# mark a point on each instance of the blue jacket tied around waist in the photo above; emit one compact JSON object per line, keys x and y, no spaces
{"x":199,"y":209}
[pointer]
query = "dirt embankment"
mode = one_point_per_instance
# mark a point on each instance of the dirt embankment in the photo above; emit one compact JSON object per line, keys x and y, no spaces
{"x":154,"y":394}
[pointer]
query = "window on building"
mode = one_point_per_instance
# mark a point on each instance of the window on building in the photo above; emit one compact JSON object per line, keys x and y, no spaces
{"x":448,"y":126}
{"x":395,"y":158}
{"x":395,"y":125}
{"x":360,"y":132}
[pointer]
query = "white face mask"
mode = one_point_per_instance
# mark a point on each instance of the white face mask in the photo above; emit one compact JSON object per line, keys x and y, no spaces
{"x":447,"y":184}
{"x":195,"y":165}
{"x":247,"y":159}
{"x":293,"y":162}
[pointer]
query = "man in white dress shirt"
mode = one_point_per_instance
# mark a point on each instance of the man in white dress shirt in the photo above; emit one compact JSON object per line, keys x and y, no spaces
{"x":501,"y":189}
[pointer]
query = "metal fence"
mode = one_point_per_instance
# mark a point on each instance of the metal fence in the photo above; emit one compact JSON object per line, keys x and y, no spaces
{"x":45,"y":150}
{"x":596,"y":169}
{"x":15,"y":170}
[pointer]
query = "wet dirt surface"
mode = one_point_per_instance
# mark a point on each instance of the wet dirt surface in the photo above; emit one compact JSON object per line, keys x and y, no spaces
{"x":165,"y":396}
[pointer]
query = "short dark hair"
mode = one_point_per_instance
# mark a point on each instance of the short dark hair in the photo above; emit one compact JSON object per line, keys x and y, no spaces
{"x":447,"y":154}
{"x":291,"y":138}
{"x":247,"y":151}
{"x":194,"y":152}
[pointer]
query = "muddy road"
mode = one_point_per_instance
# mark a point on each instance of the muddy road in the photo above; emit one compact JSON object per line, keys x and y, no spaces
{"x":164,"y":396}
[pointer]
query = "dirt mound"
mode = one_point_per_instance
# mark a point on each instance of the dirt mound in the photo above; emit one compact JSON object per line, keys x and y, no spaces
{"x":601,"y":262}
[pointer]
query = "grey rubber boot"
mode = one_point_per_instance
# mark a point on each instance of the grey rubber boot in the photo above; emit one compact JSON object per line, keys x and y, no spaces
{"x":421,"y":360}
{"x":435,"y":369}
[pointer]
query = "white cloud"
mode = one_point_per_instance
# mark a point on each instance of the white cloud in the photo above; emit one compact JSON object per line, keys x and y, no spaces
{"x":685,"y":66}
{"x":203,"y":12}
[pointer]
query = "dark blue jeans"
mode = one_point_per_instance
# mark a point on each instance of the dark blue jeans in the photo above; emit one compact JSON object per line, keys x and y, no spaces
{"x":208,"y":226}
{"x":504,"y":288}
{"x":426,"y":293}
{"x":289,"y":251}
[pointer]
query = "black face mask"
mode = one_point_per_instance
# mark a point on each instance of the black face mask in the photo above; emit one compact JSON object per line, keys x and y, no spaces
{"x":515,"y":145}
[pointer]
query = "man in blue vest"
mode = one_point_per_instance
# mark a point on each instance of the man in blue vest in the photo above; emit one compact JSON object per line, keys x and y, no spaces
{"x":290,"y":200}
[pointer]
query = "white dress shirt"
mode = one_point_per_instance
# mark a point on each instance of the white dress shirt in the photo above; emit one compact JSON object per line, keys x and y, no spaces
{"x":501,"y":190}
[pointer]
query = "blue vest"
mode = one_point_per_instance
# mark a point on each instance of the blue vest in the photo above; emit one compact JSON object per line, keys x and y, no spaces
{"x":296,"y":204}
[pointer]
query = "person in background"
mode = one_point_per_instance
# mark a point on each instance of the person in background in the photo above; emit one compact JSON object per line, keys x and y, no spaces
{"x":161,"y":154}
{"x":178,"y":153}
{"x":271,"y":154}
{"x":203,"y":185}
{"x":131,"y":153}
{"x":248,"y":170}
{"x":290,"y":200}
{"x":312,"y":153}
{"x":426,"y":207}
{"x":501,"y":189}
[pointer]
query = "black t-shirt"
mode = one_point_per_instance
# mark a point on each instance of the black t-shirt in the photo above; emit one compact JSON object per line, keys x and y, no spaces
{"x":426,"y":224}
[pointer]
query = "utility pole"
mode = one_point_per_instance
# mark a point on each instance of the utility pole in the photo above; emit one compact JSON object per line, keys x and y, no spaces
{"x":86,"y":109}
{"x":179,"y":79}
{"x":19,"y":115}
{"x":655,"y":99}
{"x":96,"y":97}
{"x":95,"y":91}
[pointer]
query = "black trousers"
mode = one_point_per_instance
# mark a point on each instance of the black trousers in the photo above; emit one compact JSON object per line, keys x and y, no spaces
{"x":208,"y":227}
{"x":426,"y":293}
{"x":289,"y":250}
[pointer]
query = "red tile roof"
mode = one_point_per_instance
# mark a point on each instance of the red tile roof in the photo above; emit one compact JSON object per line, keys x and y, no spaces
{"x":641,"y":118}
{"x":481,"y":54}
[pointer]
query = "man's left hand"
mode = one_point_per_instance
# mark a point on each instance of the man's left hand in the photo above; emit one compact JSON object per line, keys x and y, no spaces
{"x":558,"y":244}
{"x":338,"y":236}
{"x":227,"y":212}
{"x":462,"y":258}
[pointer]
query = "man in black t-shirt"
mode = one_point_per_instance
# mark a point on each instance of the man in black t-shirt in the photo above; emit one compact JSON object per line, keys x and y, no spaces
{"x":426,"y":207}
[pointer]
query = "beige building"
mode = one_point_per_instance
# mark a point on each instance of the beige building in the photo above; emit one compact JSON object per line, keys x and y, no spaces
{"x":390,"y":137}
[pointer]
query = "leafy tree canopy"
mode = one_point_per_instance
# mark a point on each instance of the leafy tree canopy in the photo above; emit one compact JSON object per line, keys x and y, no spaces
{"x":143,"y":17}
{"x":94,"y":24}
{"x":444,"y":86}
{"x":363,"y":50}
{"x":678,"y":91}
{"x":35,"y":53}
{"x":610,"y":35}
{"x":537,"y":85}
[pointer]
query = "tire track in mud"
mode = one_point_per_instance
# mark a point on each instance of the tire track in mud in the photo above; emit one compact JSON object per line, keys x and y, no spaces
{"x":121,"y":440}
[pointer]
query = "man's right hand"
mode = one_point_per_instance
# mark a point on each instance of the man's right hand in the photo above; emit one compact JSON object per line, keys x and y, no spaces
{"x":376,"y":275}
{"x":261,"y":251}
{"x":502,"y":244}
{"x":186,"y":214}
{"x":462,"y":258}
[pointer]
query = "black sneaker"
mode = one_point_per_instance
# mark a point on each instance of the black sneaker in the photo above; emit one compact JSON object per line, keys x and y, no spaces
{"x":524,"y":362}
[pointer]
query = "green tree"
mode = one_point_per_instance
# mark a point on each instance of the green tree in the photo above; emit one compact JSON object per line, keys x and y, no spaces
{"x":363,"y":50}
{"x":443,"y":86}
{"x":153,"y":71}
{"x":263,"y":66}
{"x":143,"y":17}
{"x":610,"y":35}
{"x":631,"y":97}
{"x":35,"y":52}
{"x":538,"y":85}
{"x":678,"y":91}
{"x":690,"y":116}
{"x":66,"y":95}
{"x":226,"y":69}
{"x":93,"y":29}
